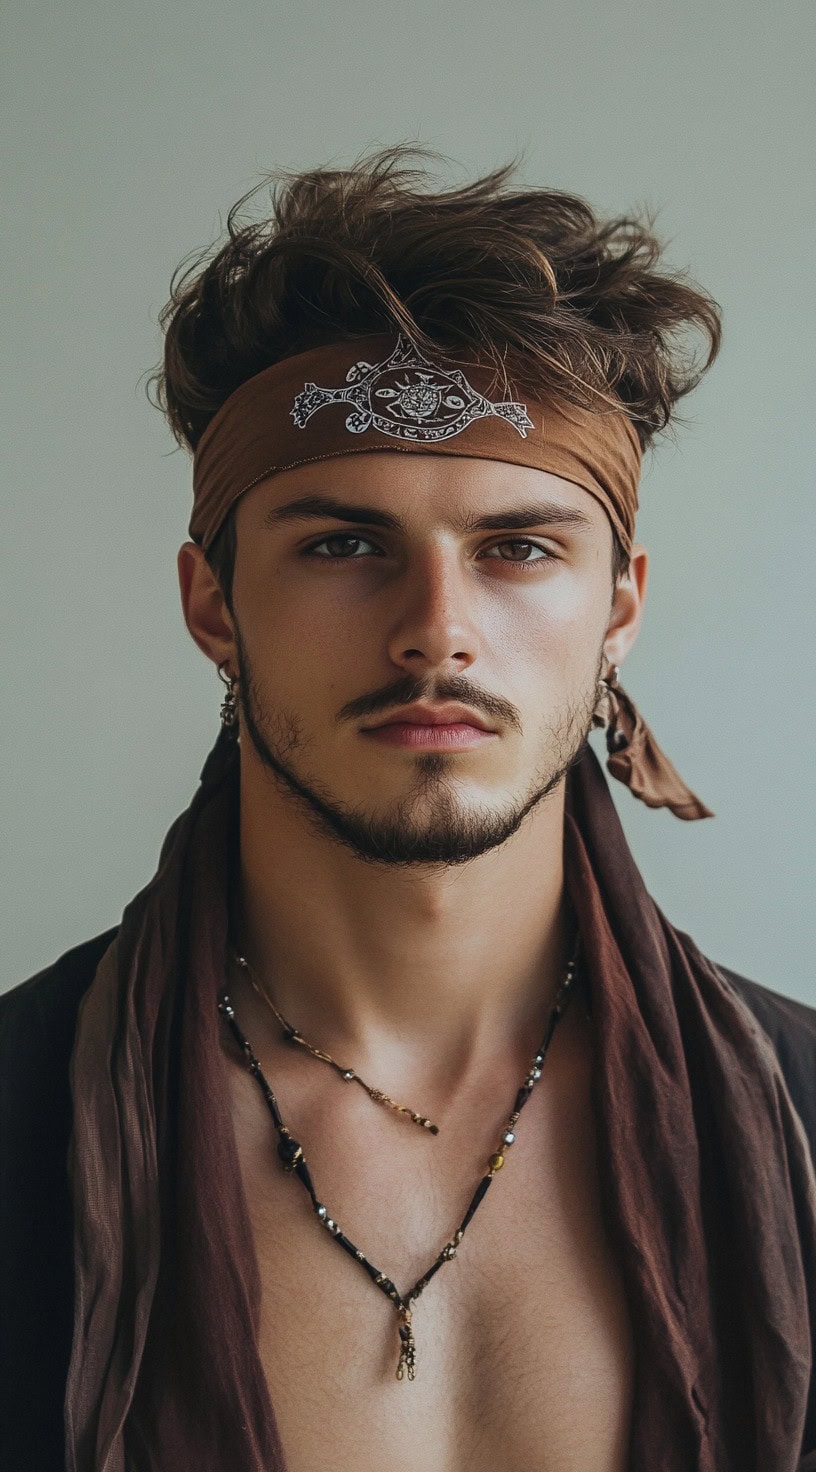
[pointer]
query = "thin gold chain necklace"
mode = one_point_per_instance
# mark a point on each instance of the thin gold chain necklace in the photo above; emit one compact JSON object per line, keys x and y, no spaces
{"x":292,"y":1035}
{"x":290,"y":1153}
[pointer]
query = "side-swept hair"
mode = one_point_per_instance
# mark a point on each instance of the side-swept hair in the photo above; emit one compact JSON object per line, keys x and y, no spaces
{"x":531,"y":278}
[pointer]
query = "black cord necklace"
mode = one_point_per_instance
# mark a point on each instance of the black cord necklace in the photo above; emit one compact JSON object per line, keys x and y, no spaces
{"x":290,"y":1152}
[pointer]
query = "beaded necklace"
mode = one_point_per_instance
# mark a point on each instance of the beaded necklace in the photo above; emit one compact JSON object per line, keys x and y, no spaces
{"x":290,"y":1153}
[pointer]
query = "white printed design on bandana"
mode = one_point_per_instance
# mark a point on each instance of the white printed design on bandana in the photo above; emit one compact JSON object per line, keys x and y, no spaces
{"x":409,"y":398}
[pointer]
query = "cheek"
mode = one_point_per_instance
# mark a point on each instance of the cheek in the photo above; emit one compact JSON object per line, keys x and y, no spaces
{"x":304,"y":662}
{"x":559,"y":634}
{"x":287,"y":627}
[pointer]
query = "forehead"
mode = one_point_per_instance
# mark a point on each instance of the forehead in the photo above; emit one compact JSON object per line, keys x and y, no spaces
{"x":446,"y":492}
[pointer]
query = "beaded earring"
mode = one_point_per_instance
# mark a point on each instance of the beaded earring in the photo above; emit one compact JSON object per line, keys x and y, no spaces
{"x":229,"y":708}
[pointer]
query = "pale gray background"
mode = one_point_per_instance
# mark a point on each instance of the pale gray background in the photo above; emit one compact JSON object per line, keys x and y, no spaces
{"x":130,"y":129}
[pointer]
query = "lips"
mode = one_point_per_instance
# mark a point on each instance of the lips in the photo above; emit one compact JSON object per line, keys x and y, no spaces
{"x":440,"y":715}
{"x":423,"y":736}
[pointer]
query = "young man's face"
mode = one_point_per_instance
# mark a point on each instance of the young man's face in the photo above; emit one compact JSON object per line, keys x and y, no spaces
{"x":339,"y":622}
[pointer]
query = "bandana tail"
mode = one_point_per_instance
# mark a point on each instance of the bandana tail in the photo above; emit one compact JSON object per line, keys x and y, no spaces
{"x":636,"y":760}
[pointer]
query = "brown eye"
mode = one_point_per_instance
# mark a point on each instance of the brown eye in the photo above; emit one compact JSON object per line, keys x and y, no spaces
{"x":520,"y":549}
{"x":339,"y":540}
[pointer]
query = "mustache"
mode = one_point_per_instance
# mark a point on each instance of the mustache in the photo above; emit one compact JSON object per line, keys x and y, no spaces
{"x":409,"y":689}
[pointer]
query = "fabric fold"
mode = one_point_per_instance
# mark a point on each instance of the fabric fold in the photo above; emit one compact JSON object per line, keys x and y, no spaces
{"x":636,"y":760}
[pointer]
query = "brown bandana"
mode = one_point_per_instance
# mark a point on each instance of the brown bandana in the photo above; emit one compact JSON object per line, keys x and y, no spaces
{"x":349,"y":398}
{"x":372,"y":393}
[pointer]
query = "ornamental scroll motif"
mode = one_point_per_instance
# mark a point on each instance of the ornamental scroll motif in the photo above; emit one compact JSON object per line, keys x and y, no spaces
{"x":410,"y":398}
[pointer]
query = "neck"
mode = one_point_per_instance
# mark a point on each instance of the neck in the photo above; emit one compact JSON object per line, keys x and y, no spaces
{"x":384,"y":966}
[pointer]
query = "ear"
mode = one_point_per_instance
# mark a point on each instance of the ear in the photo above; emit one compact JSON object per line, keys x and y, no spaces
{"x":627,"y":607}
{"x":206,"y":614}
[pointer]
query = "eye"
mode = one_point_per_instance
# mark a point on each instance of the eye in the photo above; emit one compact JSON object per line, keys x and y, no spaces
{"x":336,"y":537}
{"x":524,"y":562}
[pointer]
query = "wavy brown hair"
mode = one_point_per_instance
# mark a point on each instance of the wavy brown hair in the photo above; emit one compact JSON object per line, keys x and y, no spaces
{"x":532,"y":279}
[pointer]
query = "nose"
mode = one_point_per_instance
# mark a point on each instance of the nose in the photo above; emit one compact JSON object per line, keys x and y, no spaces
{"x":434,"y":626}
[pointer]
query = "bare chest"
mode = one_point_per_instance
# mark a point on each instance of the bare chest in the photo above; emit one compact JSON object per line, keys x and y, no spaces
{"x":524,"y":1353}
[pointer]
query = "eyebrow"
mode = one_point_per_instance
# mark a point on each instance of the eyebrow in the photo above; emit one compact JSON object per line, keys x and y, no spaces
{"x":515,"y":518}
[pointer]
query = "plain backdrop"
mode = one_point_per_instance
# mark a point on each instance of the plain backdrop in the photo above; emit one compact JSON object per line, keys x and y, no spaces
{"x":129,"y":131}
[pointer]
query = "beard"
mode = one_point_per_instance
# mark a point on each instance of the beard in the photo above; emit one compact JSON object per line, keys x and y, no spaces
{"x":430,"y":824}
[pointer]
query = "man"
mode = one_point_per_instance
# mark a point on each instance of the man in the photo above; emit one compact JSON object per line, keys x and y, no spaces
{"x":397,"y":950}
